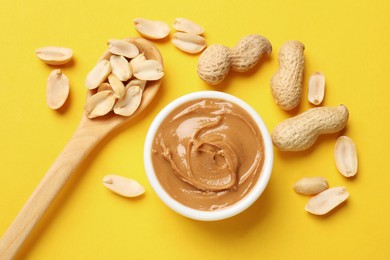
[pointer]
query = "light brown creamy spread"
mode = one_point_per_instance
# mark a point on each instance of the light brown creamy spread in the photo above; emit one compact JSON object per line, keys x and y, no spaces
{"x":208,"y":154}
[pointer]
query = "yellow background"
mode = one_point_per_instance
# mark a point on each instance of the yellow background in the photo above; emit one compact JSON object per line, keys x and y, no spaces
{"x":347,"y":40}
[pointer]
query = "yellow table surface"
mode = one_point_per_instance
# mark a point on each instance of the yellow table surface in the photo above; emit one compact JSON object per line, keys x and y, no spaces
{"x":347,"y":40}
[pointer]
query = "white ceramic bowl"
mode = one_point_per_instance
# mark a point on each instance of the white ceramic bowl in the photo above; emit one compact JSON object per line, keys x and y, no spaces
{"x":223,"y":213}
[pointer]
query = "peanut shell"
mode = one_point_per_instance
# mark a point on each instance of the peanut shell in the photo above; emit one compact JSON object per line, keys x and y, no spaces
{"x":248,"y":51}
{"x":286,"y":83}
{"x":214,"y":64}
{"x":300,"y":132}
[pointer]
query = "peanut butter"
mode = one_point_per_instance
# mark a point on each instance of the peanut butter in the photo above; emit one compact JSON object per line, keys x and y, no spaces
{"x":208,"y":154}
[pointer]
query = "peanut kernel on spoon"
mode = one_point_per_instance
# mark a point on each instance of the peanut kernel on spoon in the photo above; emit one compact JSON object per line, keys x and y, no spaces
{"x":113,"y":76}
{"x":98,"y":74}
{"x":123,"y":186}
{"x":117,"y":85}
{"x":129,"y":103}
{"x":120,"y":67}
{"x":137,"y":82}
{"x":104,"y":86}
{"x":138,"y":58}
{"x":100,"y":103}
{"x":122,"y":48}
{"x":148,"y":70}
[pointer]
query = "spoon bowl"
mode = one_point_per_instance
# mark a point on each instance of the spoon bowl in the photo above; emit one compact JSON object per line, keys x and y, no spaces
{"x":87,"y":136}
{"x":151,"y":52}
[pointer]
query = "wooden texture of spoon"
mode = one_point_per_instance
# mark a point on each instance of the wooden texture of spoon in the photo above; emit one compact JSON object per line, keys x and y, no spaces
{"x":86,"y":137}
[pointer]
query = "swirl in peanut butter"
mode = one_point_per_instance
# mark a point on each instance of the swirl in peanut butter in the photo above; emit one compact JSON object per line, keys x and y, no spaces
{"x":208,"y":154}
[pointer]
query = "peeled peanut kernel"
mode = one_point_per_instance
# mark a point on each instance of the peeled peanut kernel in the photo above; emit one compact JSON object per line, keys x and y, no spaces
{"x":188,"y":26}
{"x":117,"y":85}
{"x":189,"y":42}
{"x":105,"y":86}
{"x":151,"y":29}
{"x":345,"y":156}
{"x":300,"y":132}
{"x":98,"y":74}
{"x":123,"y":186}
{"x":100,"y":104}
{"x":139,"y":57}
{"x":214,"y":64}
{"x":311,"y":186}
{"x":53,"y":55}
{"x":57,"y":90}
{"x":316,"y":89}
{"x":327,"y":200}
{"x":122,"y":48}
{"x":120,"y":67}
{"x":136,"y":82}
{"x":148,"y":70}
{"x":128,"y":104}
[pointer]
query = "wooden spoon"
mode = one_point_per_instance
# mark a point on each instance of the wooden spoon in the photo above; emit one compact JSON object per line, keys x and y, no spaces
{"x":86,"y":137}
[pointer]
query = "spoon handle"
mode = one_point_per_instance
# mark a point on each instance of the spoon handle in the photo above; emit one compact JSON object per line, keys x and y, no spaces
{"x":84,"y":140}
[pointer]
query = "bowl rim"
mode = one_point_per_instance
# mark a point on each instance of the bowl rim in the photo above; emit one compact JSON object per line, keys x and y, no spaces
{"x":231,"y":210}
